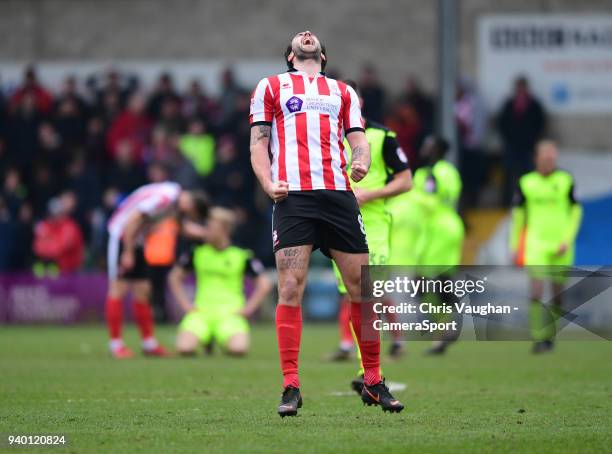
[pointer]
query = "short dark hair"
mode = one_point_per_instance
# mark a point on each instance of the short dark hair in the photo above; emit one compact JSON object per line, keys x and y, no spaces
{"x":441,"y":145}
{"x":201,"y":203}
{"x":521,"y":79}
{"x":289,"y":49}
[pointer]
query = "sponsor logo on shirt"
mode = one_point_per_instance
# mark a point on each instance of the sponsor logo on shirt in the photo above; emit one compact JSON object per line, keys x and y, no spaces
{"x":294,"y":104}
{"x":320,"y":104}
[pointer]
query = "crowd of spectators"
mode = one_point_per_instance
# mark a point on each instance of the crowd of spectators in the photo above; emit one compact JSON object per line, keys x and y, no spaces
{"x":73,"y":155}
{"x":68,"y":158}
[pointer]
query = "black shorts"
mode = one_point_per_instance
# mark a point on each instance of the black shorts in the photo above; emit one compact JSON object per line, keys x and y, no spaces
{"x":326,"y":219}
{"x":139,"y":271}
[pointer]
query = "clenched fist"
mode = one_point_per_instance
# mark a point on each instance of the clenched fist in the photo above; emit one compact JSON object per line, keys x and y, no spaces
{"x":277,"y":190}
{"x":358,"y":171}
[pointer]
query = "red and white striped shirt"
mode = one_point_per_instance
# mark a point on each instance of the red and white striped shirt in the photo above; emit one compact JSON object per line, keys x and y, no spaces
{"x":309,"y":117}
{"x":154,"y":200}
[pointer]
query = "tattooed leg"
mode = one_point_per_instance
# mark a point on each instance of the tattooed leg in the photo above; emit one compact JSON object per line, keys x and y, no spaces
{"x":292,"y":264}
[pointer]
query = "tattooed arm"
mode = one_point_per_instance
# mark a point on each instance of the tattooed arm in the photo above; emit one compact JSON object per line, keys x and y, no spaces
{"x":361,"y":154}
{"x":260,"y":140}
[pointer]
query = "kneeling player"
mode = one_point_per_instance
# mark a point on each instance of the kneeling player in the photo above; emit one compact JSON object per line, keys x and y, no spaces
{"x":220,"y":311}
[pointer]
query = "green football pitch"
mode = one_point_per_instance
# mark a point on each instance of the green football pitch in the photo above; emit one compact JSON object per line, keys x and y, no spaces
{"x":482,"y":396}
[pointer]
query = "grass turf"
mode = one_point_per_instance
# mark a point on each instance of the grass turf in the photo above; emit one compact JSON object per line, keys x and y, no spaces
{"x":483,"y":396}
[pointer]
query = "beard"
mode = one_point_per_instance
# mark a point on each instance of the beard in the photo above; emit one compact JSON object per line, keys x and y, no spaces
{"x":301,"y":54}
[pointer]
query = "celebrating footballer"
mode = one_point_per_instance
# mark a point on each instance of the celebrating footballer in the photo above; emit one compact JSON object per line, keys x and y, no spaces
{"x":300,"y":118}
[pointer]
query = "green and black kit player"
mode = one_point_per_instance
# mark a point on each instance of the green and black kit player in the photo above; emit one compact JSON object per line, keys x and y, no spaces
{"x":388,"y":176}
{"x":547,"y":215}
{"x":428,"y":232}
{"x":220,"y":310}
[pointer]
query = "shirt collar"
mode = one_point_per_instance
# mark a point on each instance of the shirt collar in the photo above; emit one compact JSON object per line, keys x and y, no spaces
{"x":295,"y":71}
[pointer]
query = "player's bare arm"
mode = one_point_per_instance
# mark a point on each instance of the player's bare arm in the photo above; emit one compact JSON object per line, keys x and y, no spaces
{"x":361,"y":154}
{"x":400,"y":182}
{"x":260,"y":161}
{"x":263,"y":286}
{"x":194,"y":230}
{"x":176,"y":283}
{"x":132,"y":228}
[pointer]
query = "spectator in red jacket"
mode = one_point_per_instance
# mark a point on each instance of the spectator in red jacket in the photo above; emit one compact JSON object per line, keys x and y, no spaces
{"x":31,"y":86}
{"x":405,"y":121}
{"x":132,"y":125}
{"x":57,"y":239}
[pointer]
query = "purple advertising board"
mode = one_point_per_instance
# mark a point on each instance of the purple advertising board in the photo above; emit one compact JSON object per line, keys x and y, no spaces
{"x":75,"y":298}
{"x":25,"y":298}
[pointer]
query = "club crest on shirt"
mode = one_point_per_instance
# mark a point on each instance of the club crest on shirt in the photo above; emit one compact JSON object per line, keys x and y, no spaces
{"x":294,"y":104}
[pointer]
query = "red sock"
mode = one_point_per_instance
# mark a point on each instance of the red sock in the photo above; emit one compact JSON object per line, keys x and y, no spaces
{"x":392,"y":317}
{"x":114,"y":317}
{"x":344,"y":322}
{"x":289,"y":333}
{"x":362,"y":317}
{"x":143,"y":314}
